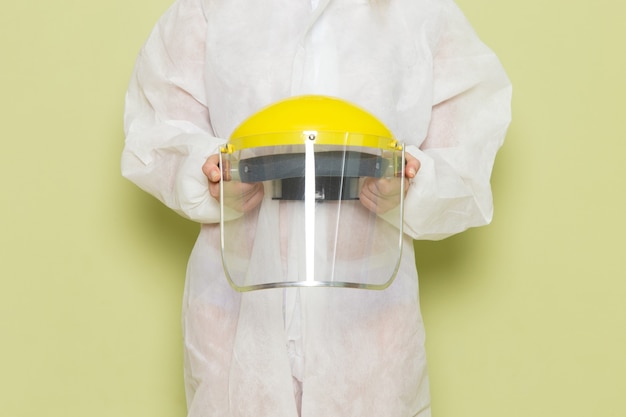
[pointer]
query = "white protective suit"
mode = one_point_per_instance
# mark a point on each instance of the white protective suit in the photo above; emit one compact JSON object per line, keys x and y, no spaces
{"x":415,"y":64}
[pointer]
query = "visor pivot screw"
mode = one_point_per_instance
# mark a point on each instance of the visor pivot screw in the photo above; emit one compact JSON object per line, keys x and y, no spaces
{"x":312,"y":136}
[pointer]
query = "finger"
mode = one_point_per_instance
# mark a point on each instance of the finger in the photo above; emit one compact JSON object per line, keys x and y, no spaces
{"x":366,"y":201}
{"x":214,"y":190}
{"x":375,"y":203}
{"x":372,"y":196}
{"x":255,"y":198}
{"x":211,"y":168}
{"x":384,"y":187}
{"x":412,"y":165}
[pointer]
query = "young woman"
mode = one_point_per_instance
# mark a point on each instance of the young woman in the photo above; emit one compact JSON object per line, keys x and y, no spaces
{"x":417,"y":66}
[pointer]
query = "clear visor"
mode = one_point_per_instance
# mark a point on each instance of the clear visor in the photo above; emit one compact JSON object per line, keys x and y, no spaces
{"x":313,"y":225}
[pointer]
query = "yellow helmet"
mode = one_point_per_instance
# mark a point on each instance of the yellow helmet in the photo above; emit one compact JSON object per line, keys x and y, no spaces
{"x":349,"y":143}
{"x":325,"y":120}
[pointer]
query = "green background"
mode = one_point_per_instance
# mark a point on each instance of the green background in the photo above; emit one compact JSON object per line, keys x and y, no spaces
{"x":525,"y":317}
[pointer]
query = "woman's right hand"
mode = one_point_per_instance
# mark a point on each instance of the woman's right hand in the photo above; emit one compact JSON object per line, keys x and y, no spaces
{"x":238,"y":195}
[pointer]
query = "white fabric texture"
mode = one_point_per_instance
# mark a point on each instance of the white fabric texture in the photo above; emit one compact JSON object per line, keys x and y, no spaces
{"x":415,"y":64}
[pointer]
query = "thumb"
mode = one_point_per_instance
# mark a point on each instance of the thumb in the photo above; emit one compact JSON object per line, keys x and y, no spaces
{"x":214,"y":174}
{"x":412,"y":166}
{"x":211,"y":168}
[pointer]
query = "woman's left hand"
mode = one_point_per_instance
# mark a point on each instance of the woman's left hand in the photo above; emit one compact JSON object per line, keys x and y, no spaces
{"x":382,"y":194}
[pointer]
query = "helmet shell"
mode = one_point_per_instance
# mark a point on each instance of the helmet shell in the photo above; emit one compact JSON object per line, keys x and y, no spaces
{"x":326,"y":120}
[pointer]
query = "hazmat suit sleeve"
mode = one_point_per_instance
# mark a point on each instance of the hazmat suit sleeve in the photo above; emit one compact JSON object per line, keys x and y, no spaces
{"x":470,"y":116}
{"x":168,"y":132}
